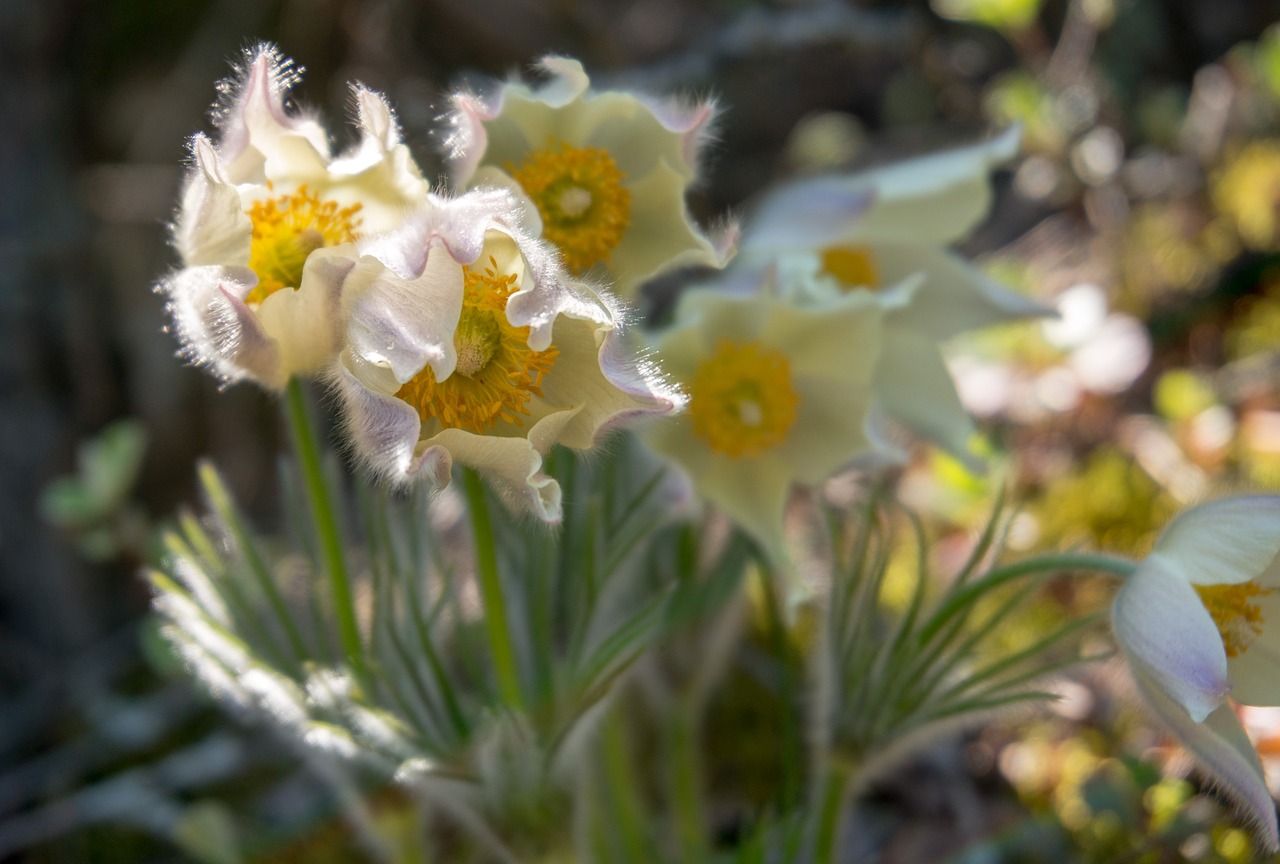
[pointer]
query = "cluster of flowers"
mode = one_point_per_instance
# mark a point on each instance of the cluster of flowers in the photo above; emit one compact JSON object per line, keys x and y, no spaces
{"x":480,"y":328}
{"x":486,"y":327}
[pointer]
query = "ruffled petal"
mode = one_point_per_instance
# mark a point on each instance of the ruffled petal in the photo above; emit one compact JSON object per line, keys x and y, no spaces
{"x":1221,"y":746}
{"x":379,"y":172}
{"x":597,"y":370}
{"x":254,"y":122}
{"x":211,"y":227}
{"x":217,"y":329}
{"x":1222,"y":542}
{"x":661,"y":235}
{"x":304,"y":322}
{"x":1167,"y":635}
{"x":385,"y":431}
{"x":405,"y":324}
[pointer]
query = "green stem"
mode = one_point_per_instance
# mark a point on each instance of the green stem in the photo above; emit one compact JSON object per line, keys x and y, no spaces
{"x":792,"y":746}
{"x":835,"y":790}
{"x":324,"y":519}
{"x":495,"y":610}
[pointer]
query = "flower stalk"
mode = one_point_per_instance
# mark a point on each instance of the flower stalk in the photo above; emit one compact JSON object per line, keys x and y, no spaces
{"x":325,"y":523}
{"x":495,"y":610}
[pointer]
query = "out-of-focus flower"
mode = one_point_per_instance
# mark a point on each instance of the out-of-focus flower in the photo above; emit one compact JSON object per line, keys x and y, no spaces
{"x":265,"y":225}
{"x":1247,"y":191}
{"x":605,"y":171}
{"x":467,"y":341}
{"x":778,"y":394}
{"x":861,"y":233}
{"x":1199,"y":620}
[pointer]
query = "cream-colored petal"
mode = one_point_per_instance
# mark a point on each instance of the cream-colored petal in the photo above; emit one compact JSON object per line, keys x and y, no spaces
{"x":1167,"y":635}
{"x":953,"y":297}
{"x":661,"y":235}
{"x":256,"y":122}
{"x":1222,"y":542}
{"x":1221,"y":746}
{"x":596,"y":370}
{"x":406,"y":324}
{"x":1255,"y":672}
{"x":752,"y":491}
{"x":384,"y":431}
{"x":211,"y":228}
{"x":512,"y":466}
{"x":217,"y":329}
{"x":490,"y":177}
{"x":628,"y":130}
{"x":936,"y":199}
{"x":914,"y":388}
{"x":304,"y":322}
{"x":832,"y":355}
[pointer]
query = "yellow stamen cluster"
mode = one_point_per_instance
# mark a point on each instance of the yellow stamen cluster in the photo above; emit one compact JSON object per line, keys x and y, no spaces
{"x":578,"y":191}
{"x":851,"y":266}
{"x":741,"y":400}
{"x":1234,"y":608}
{"x":496,"y":373}
{"x":286,"y":230}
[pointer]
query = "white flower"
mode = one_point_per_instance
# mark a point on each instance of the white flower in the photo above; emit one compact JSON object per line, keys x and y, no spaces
{"x":467,"y":341}
{"x":605,"y":171}
{"x":1199,"y":620}
{"x":863,"y":232}
{"x":778,"y":395}
{"x":265,"y":225}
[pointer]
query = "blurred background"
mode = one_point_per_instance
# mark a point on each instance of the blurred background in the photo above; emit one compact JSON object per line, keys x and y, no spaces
{"x":1146,"y":208}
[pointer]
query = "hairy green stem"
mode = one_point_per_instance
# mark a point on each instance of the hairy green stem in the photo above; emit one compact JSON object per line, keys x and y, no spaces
{"x":495,"y":610}
{"x":324,"y":519}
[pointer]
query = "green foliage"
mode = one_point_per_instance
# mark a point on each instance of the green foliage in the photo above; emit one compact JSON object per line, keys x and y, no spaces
{"x":92,"y":505}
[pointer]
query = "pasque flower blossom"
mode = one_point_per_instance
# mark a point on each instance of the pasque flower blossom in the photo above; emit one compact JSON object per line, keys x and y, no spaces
{"x":467,"y":341}
{"x":604,"y":171}
{"x":1198,"y":621}
{"x":265,"y":224}
{"x":778,"y":394}
{"x":864,"y":232}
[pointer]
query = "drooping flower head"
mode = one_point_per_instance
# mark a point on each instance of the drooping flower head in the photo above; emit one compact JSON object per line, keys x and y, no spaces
{"x":266,"y":220}
{"x":1198,"y":621}
{"x":605,"y":172}
{"x":467,"y":341}
{"x":863,"y":233}
{"x":778,"y":394}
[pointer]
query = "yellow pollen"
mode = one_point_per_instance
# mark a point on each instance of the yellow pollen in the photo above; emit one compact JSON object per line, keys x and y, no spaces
{"x":851,"y":266}
{"x":1234,"y":608}
{"x":578,"y":191}
{"x":496,"y":374}
{"x":741,"y":400}
{"x":286,"y":230}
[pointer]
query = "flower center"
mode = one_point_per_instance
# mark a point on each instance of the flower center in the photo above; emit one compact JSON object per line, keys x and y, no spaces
{"x":496,"y":374}
{"x":286,"y":230}
{"x":741,"y":399}
{"x":578,"y":191}
{"x":851,"y":266}
{"x":1234,"y":608}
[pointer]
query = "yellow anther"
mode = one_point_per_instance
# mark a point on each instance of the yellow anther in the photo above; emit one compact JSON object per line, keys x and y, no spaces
{"x":578,"y":191}
{"x":496,"y":374}
{"x":741,"y":400}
